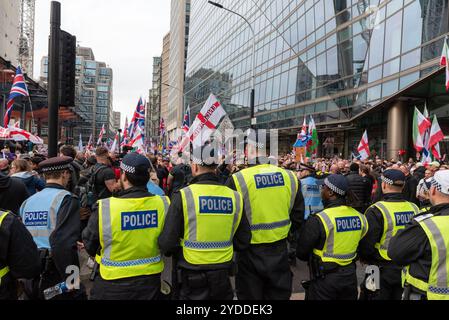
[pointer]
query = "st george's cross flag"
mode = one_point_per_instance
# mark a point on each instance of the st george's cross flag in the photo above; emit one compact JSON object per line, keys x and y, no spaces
{"x":363,"y":148}
{"x":206,"y":122}
{"x":100,"y":137}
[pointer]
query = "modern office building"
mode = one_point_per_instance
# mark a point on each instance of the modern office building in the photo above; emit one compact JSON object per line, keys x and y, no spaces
{"x":154,"y":104}
{"x":117,"y":117}
{"x":179,"y":38}
{"x":165,"y":73}
{"x":352,"y":65}
{"x":93,"y":94}
{"x":10,"y":30}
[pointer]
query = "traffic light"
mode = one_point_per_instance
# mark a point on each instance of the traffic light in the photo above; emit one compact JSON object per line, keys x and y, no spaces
{"x":67,"y":61}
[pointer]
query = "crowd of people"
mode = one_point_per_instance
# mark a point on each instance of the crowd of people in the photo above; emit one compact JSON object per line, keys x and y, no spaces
{"x":128,"y":211}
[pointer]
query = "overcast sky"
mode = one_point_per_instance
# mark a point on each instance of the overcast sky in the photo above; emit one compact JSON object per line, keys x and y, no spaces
{"x":126,"y":35}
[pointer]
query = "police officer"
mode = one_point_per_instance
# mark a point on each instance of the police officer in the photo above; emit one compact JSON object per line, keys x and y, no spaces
{"x":122,"y":234}
{"x":423,"y":246}
{"x":204,"y":225}
{"x":273,"y":205}
{"x":52,"y":218}
{"x":385,"y":219}
{"x":311,"y":190}
{"x":19,"y":257}
{"x":329,"y":242}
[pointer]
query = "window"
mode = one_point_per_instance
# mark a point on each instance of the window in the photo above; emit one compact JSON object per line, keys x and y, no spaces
{"x":90,"y":64}
{"x":393,"y":36}
{"x":103,"y":88}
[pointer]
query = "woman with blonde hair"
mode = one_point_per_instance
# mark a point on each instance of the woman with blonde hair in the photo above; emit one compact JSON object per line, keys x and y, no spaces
{"x":21,"y":170}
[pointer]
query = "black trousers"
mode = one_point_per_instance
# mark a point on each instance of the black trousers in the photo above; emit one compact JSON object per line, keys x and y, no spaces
{"x":137,"y":288}
{"x":205,"y":285}
{"x":390,"y":285}
{"x":338,"y":285}
{"x":263,"y":273}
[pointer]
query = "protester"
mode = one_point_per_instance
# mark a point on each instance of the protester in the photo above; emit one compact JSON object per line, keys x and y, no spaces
{"x":21,"y":169}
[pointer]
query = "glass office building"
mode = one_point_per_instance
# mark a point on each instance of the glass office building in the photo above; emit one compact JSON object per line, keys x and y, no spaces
{"x":352,"y":65}
{"x":93,"y":95}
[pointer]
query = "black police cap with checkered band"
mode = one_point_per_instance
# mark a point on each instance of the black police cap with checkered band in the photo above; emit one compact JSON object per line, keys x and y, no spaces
{"x":337,"y":183}
{"x":134,"y":163}
{"x":55,"y":164}
{"x":393,"y":177}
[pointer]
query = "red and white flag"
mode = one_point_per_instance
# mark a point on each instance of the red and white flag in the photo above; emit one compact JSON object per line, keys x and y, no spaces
{"x":89,"y":144}
{"x":100,"y":137}
{"x":444,"y":61}
{"x":206,"y":122}
{"x":114,"y":144}
{"x":18,"y":134}
{"x":436,"y":136}
{"x":363,"y":148}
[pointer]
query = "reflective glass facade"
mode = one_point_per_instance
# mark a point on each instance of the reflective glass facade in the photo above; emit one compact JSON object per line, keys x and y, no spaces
{"x":332,"y":59}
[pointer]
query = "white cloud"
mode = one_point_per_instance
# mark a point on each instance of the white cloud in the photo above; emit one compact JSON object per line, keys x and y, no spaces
{"x":126,"y":35}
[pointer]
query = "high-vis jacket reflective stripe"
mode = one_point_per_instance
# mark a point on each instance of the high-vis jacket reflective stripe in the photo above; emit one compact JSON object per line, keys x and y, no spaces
{"x":269,"y":194}
{"x":40,"y":212}
{"x":3,"y":271}
{"x":211,"y":217}
{"x":396,"y":216}
{"x":312,"y":196}
{"x":437,"y":231}
{"x":344,"y":227}
{"x":129,"y":229}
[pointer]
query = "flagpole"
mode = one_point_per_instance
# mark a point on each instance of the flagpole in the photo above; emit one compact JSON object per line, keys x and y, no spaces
{"x":32,"y":114}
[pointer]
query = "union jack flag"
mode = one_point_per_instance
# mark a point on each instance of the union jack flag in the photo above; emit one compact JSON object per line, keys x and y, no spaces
{"x":138,"y":119}
{"x":186,"y":122}
{"x":18,"y":89}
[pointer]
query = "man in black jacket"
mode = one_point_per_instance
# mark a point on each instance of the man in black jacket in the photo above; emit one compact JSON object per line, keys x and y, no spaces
{"x":360,"y":187}
{"x":18,"y":253}
{"x":12,"y":194}
{"x":411,"y":184}
{"x":200,"y":281}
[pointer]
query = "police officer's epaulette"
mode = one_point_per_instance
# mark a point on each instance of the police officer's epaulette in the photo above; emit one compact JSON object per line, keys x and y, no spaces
{"x":423,"y":217}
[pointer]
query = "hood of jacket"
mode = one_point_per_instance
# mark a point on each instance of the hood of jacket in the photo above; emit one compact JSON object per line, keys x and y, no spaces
{"x":5,"y":181}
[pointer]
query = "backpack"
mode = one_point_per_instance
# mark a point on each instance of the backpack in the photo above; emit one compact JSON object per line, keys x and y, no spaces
{"x":86,"y":192}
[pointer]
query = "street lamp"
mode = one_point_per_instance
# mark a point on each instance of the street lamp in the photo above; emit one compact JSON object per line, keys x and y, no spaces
{"x":253,"y":76}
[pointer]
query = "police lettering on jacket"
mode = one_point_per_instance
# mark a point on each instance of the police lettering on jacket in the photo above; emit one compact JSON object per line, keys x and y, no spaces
{"x":403,"y":218}
{"x":269,"y":180}
{"x":139,"y":220}
{"x":36,"y":219}
{"x":217,"y":205}
{"x":348,"y":224}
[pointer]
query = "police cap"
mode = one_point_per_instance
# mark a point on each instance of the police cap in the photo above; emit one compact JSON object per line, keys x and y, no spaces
{"x":337,"y":183}
{"x":441,"y":181}
{"x":55,"y":164}
{"x":134,"y":163}
{"x":393,"y":177}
